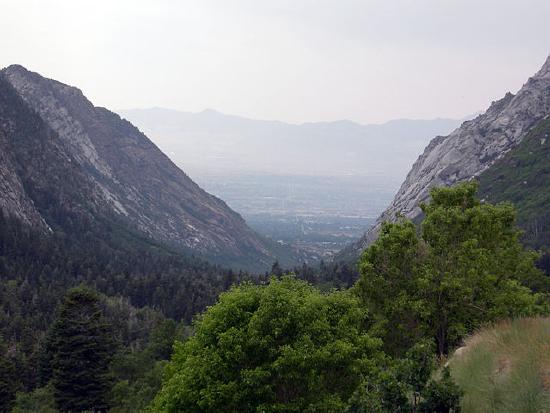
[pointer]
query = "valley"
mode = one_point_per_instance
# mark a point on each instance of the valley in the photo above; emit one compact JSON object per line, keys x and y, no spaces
{"x":334,"y":236}
{"x":315,"y":187}
{"x":317,"y":215}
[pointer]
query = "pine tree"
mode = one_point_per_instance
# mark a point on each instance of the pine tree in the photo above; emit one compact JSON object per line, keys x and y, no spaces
{"x":82,"y":349}
{"x":8,"y":384}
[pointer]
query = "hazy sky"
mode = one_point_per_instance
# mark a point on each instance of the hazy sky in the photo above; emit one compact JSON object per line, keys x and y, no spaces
{"x":292,"y":60}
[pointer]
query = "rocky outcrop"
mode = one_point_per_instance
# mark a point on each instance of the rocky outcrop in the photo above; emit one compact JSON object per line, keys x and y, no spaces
{"x":466,"y":152}
{"x":125,"y":174}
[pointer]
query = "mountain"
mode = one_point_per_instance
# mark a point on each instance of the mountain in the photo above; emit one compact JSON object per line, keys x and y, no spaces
{"x":522,"y":177}
{"x":65,"y":163}
{"x":467,"y":152}
{"x":210,"y":142}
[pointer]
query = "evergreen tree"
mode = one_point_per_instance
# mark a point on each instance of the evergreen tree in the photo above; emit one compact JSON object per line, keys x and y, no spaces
{"x":82,"y":348}
{"x":8,"y":384}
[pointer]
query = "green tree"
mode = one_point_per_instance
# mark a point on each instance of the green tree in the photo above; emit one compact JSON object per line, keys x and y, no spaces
{"x":82,"y":347}
{"x":441,"y":396}
{"x":8,"y":382}
{"x":466,"y":267}
{"x":138,"y":373}
{"x":40,"y":400}
{"x":410,"y":384}
{"x":282,"y":347}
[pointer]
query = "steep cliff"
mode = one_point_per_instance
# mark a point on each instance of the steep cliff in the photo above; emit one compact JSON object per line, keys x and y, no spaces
{"x":104,"y":166}
{"x":467,"y":152}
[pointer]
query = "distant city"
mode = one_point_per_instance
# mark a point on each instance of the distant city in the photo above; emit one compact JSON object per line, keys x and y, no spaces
{"x":314,"y":214}
{"x":314,"y":186}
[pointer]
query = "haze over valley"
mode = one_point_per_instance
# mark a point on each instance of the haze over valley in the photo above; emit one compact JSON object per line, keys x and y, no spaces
{"x":315,"y":186}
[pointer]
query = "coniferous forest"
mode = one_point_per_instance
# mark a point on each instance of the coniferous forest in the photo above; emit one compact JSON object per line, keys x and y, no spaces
{"x":88,"y":332}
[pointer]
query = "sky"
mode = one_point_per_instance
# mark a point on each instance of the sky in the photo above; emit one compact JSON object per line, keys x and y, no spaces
{"x":291,"y":60}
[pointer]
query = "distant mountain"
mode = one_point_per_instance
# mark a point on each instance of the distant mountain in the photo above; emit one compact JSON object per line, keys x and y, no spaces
{"x":211,"y":142}
{"x":468,"y":151}
{"x":66,"y":164}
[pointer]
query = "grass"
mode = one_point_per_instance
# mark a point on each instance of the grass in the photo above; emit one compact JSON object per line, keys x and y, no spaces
{"x":506,"y":368}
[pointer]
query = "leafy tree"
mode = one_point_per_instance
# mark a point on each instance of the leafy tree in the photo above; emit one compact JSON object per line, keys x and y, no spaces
{"x":410,"y":384}
{"x":466,"y":267}
{"x":441,"y":396}
{"x":82,"y":346}
{"x":134,"y":395}
{"x":283,"y":347}
{"x":389,"y":270}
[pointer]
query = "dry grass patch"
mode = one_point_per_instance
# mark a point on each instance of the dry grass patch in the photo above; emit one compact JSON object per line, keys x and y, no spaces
{"x":506,"y":368}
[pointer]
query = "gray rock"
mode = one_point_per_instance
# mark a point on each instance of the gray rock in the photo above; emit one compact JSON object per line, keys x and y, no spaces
{"x":466,"y":152}
{"x":125,"y":174}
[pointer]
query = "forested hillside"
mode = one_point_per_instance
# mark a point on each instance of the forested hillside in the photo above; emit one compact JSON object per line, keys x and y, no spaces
{"x":522,"y":177}
{"x":36,"y":270}
{"x":67,"y":162}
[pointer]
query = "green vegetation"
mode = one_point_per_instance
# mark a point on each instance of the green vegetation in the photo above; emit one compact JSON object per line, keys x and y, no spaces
{"x":522,"y":177}
{"x":284,"y":347}
{"x":138,"y":374}
{"x":80,"y":350}
{"x":281,"y":345}
{"x":37,"y":270}
{"x":505,"y":368}
{"x":465,"y":268}
{"x":8,"y":386}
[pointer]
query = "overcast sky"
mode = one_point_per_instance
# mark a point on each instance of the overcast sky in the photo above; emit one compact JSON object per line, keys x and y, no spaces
{"x":291,"y":60}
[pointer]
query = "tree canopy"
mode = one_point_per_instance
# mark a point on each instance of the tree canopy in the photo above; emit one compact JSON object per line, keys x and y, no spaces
{"x":283,"y":347}
{"x":466,"y":267}
{"x":81,"y":346}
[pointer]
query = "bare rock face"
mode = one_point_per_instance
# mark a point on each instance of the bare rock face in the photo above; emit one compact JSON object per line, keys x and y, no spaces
{"x":127,"y":175}
{"x":14,"y":197}
{"x":466,"y":152}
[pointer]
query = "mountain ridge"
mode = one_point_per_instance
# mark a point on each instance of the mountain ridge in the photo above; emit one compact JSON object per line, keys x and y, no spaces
{"x":466,"y":152}
{"x":127,"y":175}
{"x":212,"y":141}
{"x":215,"y":112}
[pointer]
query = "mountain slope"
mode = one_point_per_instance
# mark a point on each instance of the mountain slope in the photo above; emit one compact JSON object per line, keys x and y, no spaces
{"x":522,"y":177}
{"x":468,"y":151}
{"x":105,"y":167}
{"x":211,"y":141}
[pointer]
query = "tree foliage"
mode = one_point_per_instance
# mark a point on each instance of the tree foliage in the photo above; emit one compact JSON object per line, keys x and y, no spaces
{"x":8,"y":381}
{"x":408,"y":384}
{"x":283,"y":347}
{"x":465,"y":268}
{"x":82,"y":347}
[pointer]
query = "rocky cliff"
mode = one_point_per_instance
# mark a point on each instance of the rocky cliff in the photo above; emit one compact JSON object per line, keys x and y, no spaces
{"x":113,"y":168}
{"x":468,"y":151}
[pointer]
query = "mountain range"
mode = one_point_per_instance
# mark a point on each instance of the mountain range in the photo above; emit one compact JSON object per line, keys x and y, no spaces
{"x":211,"y":142}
